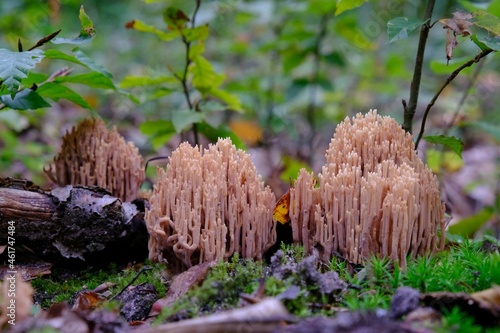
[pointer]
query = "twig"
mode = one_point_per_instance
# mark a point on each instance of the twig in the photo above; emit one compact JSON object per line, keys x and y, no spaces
{"x":409,"y":111}
{"x":142,"y":270}
{"x":448,"y":81}
{"x":183,"y":78}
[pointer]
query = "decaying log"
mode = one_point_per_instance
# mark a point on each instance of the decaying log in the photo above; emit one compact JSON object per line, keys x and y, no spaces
{"x":69,"y":221}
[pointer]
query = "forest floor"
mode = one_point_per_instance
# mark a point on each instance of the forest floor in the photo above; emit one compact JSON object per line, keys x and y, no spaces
{"x":456,"y":290}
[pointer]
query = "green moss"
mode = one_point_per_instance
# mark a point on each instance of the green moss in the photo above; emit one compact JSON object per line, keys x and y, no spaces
{"x":62,"y":286}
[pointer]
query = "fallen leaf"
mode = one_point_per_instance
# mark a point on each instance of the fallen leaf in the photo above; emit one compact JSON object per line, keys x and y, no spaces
{"x":482,"y":311}
{"x":181,"y":284}
{"x":15,"y":306}
{"x":87,"y":301}
{"x":490,"y":297}
{"x":282,"y":208}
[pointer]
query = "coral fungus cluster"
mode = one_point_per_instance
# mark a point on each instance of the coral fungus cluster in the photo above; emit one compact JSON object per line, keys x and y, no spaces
{"x":375,"y":196}
{"x":91,"y":154}
{"x":209,"y":204}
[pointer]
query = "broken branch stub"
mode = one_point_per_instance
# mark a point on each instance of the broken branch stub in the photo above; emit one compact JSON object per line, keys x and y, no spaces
{"x":209,"y":204}
{"x":375,"y":196}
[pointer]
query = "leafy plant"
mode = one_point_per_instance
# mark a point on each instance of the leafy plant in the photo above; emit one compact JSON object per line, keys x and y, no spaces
{"x":196,"y":78}
{"x":460,"y":25}
{"x":23,"y":89}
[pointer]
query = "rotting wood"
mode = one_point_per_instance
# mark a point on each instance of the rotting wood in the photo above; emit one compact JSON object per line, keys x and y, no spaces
{"x":69,"y":221}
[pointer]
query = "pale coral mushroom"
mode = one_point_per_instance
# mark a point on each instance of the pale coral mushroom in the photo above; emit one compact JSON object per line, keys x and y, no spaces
{"x":93,"y":155}
{"x":209,"y":204}
{"x":375,"y":196}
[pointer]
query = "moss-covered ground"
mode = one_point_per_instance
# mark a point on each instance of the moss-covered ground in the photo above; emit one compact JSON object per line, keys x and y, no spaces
{"x":468,"y":266}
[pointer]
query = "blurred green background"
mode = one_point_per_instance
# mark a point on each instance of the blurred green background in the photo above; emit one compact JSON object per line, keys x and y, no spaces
{"x":298,"y":68}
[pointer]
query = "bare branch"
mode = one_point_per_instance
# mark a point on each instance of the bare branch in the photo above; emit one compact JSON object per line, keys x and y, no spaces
{"x":452,"y":76}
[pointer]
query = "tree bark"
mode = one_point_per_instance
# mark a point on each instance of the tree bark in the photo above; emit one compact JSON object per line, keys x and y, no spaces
{"x":70,"y":221}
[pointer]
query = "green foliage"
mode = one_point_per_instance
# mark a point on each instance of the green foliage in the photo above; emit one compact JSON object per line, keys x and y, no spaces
{"x":401,"y":27}
{"x":468,"y":226}
{"x":466,"y":268}
{"x":15,"y":66}
{"x":87,"y":31}
{"x":448,"y":141}
{"x":196,"y":76}
{"x":220,"y":290}
{"x":21,"y":89}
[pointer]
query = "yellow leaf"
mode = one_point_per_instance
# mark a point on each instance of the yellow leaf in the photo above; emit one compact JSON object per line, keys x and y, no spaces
{"x":248,"y":131}
{"x":281,"y":211}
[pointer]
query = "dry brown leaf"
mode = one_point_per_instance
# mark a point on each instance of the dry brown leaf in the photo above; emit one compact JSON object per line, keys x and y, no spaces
{"x":16,"y":299}
{"x":459,"y":25}
{"x":476,"y":307}
{"x":87,"y":301}
{"x":451,"y":43}
{"x":182,"y":283}
{"x":490,"y":296}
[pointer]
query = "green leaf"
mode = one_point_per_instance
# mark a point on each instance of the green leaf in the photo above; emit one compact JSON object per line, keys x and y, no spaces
{"x":183,"y":119}
{"x":232,"y":101}
{"x":25,"y":99}
{"x":214,"y":133}
{"x":92,"y":79}
{"x":321,"y":6}
{"x":15,"y":66}
{"x":56,"y":54}
{"x":487,"y":21}
{"x":441,"y":67}
{"x":487,"y":42}
{"x":87,"y":25}
{"x":468,"y":226}
{"x":80,"y":58}
{"x":479,"y":43}
{"x":146,"y":81}
{"x":292,"y":60}
{"x":198,"y":33}
{"x":196,"y":50}
{"x":89,"y":63}
{"x":401,"y":27}
{"x":204,"y":77}
{"x":87,"y":31}
{"x":345,"y":5}
{"x":160,"y":131}
{"x":335,"y":58}
{"x":34,"y":78}
{"x":449,"y":141}
{"x":143,"y":27}
{"x":57,"y":91}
